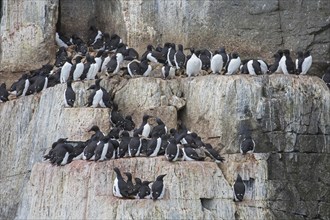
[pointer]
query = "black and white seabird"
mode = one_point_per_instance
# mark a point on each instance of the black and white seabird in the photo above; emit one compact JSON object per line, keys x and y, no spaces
{"x":115,"y":117}
{"x":3,"y":93}
{"x":93,"y":35}
{"x":154,"y":145}
{"x":144,"y":190}
{"x":101,"y":149}
{"x":168,"y":72}
{"x":326,"y":77}
{"x":307,"y":63}
{"x":130,"y":186}
{"x":61,"y":153}
{"x":233,"y":64}
{"x":286,"y":63}
{"x":194,"y":64}
{"x":158,"y":188}
{"x":247,"y":145}
{"x":112,"y":42}
{"x":133,"y":68}
{"x":190,"y":154}
{"x":212,"y":153}
{"x":145,"y":68}
{"x":205,"y":56}
{"x":263,"y":66}
{"x":134,"y":146}
{"x":145,"y":128}
{"x":160,"y":128}
{"x":172,"y":150}
{"x":22,"y":85}
{"x":77,"y":68}
{"x":113,"y":65}
{"x":69,"y":95}
{"x":179,"y":58}
{"x":98,"y":133}
{"x":65,"y":71}
{"x":153,"y":56}
{"x":299,"y":61}
{"x":239,"y":189}
{"x":275,"y":67}
{"x":216,"y":63}
{"x":89,"y":151}
{"x":120,"y":188}
{"x":170,"y":55}
{"x":123,"y":145}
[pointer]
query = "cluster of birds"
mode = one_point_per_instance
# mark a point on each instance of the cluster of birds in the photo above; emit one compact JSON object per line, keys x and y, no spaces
{"x":124,"y":140}
{"x":144,"y":141}
{"x":139,"y":190}
{"x":105,"y":54}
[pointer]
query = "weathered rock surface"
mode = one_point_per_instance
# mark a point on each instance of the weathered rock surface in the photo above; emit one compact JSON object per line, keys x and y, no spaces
{"x":285,"y":114}
{"x":292,"y":152}
{"x":27,"y":34}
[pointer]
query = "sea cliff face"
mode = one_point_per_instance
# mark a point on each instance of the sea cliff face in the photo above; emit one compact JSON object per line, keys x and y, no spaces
{"x":291,"y":155}
{"x":289,"y":116}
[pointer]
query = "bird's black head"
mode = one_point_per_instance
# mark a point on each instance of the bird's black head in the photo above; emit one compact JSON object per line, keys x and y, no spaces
{"x":307,"y":53}
{"x":280,"y":52}
{"x":286,"y":52}
{"x":222,"y":50}
{"x":239,"y":178}
{"x":94,"y":128}
{"x":146,"y":117}
{"x":234,"y":55}
{"x":160,"y":177}
{"x":180,"y":47}
{"x":300,"y":54}
{"x":150,"y":47}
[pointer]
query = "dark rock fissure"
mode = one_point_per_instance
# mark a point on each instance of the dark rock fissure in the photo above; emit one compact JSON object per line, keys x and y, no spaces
{"x":206,"y":203}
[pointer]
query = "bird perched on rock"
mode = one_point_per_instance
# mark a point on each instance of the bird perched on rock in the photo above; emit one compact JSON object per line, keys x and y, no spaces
{"x":158,"y":188}
{"x":247,"y":145}
{"x":120,"y":188}
{"x":145,"y":128}
{"x":205,"y":56}
{"x":233,"y":64}
{"x":153,"y":145}
{"x":160,"y":128}
{"x":190,"y":154}
{"x":65,"y":71}
{"x":69,"y":95}
{"x":216,"y":63}
{"x":3,"y":93}
{"x":307,"y":63}
{"x":212,"y":153}
{"x":153,"y":56}
{"x":100,"y":97}
{"x":286,"y":63}
{"x":299,"y":60}
{"x":179,"y":57}
{"x":123,"y":145}
{"x":275,"y":67}
{"x":326,"y":77}
{"x":172,"y":150}
{"x":113,"y":66}
{"x":101,"y":149}
{"x":168,"y":72}
{"x":134,"y":146}
{"x":239,"y":189}
{"x":77,"y":69}
{"x":194,"y":64}
{"x":144,"y":190}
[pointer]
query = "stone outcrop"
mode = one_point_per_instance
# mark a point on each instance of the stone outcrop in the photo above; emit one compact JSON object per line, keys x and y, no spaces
{"x":288,"y":117}
{"x":27,"y":34}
